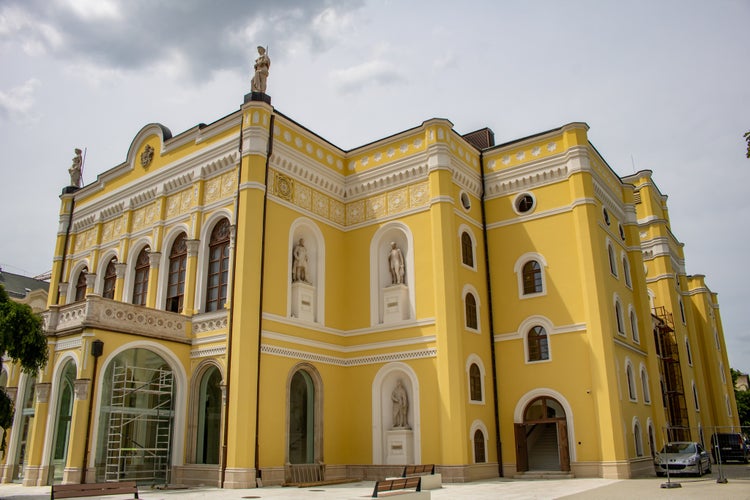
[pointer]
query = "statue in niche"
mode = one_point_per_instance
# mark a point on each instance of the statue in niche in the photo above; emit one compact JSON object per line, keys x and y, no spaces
{"x":262,"y":65}
{"x":299,"y":262}
{"x":400,"y":406}
{"x":396,"y":263}
{"x":76,"y":169}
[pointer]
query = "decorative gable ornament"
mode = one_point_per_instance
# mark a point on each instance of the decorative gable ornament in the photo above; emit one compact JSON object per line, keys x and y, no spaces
{"x":147,"y":156}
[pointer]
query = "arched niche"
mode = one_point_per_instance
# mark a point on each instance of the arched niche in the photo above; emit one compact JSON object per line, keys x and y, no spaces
{"x":391,"y":302}
{"x":384,"y":433}
{"x":306,"y":282}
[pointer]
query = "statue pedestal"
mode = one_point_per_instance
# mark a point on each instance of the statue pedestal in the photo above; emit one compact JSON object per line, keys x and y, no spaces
{"x":303,"y":301}
{"x":399,"y":447}
{"x":395,"y":303}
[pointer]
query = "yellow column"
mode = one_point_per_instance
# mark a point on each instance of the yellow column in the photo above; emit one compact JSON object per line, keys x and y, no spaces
{"x":448,"y":318}
{"x":240,"y":464}
{"x":154,"y":259}
{"x":189,"y":307}
{"x":56,"y":277}
{"x":120,"y":269}
{"x":34,"y":473}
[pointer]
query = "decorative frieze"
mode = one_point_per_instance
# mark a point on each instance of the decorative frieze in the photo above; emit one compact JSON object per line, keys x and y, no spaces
{"x":341,"y":361}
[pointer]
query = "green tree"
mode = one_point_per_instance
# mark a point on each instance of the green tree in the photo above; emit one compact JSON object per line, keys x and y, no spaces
{"x":743,"y":400}
{"x":22,"y":341}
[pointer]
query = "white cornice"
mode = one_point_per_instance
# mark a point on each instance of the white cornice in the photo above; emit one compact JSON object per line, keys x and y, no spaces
{"x":291,"y":339}
{"x":630,"y":347}
{"x":343,"y":361}
{"x":521,"y":219}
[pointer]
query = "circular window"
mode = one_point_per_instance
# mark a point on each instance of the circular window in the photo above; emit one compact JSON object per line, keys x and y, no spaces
{"x":465,"y":201}
{"x":606,"y":215}
{"x":524,"y":203}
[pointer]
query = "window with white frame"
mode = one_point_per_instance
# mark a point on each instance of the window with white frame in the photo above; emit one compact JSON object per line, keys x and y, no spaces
{"x":631,"y":381}
{"x":470,"y":303}
{"x":695,"y":397}
{"x":634,"y":327}
{"x":467,"y":249}
{"x":530,"y":271}
{"x":612,"y":260}
{"x":637,"y":439}
{"x":619,"y":318}
{"x":626,"y":271}
{"x":644,"y":384}
{"x":475,"y":382}
{"x":688,"y":351}
{"x":538,"y":344}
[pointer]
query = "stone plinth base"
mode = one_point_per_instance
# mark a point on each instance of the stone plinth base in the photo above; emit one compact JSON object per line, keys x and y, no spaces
{"x":303,"y":301}
{"x":72,"y":475}
{"x":257,"y":96}
{"x":239,"y":478}
{"x":399,"y":447}
{"x":395,"y":303}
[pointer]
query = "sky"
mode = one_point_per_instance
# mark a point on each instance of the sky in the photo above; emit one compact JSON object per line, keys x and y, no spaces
{"x":663,"y":84}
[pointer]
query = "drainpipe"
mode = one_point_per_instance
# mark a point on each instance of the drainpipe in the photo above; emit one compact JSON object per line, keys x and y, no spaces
{"x":97,"y":348}
{"x":491,"y":320}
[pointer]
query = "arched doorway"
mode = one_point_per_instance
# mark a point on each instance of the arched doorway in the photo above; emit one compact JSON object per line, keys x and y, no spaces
{"x":65,"y":399}
{"x":136,"y":419}
{"x":301,"y":419}
{"x":542,"y":438}
{"x":208,"y":435}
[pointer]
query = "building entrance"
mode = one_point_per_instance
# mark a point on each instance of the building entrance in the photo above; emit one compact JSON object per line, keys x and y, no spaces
{"x":542,"y":438}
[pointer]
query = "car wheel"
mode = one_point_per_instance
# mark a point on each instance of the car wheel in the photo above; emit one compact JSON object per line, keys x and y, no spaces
{"x":700,"y":468}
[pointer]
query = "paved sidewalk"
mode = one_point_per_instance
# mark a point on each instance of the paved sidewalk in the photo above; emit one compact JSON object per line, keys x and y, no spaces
{"x":586,"y":489}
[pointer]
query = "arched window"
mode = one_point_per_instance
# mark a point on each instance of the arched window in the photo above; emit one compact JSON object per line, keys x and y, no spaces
{"x":176,"y":278}
{"x":472,"y":321}
{"x":626,"y":271}
{"x":209,"y":418}
{"x":480,"y":455}
{"x":644,"y":383}
{"x":538,"y":344}
{"x":634,"y":327}
{"x":532,"y":277}
{"x":618,"y":317}
{"x":467,"y":249}
{"x":689,"y":352}
{"x":140,"y":284}
{"x":65,"y":398}
{"x":631,"y":382}
{"x":637,"y":439}
{"x":475,"y":382}
{"x":81,"y":284}
{"x":682,"y":312}
{"x":110,"y":279}
{"x":218,"y":267}
{"x":612,"y":261}
{"x":695,"y":398}
{"x":27,"y":416}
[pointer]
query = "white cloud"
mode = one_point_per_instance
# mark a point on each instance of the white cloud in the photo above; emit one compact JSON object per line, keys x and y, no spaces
{"x":330,"y":26}
{"x":376,"y":71}
{"x":33,"y":35}
{"x":91,"y":10}
{"x":17,"y":103}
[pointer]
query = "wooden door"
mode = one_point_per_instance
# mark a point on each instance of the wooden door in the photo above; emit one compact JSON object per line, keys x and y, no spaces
{"x":522,"y":452}
{"x":562,"y":443}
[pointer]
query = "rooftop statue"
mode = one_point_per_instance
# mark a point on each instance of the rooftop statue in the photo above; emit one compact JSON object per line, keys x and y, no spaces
{"x":75,"y":169}
{"x":262,"y":64}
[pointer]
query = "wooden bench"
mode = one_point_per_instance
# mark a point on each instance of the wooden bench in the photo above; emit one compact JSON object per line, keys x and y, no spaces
{"x":93,"y":490}
{"x":418,"y":470}
{"x":430,"y":480}
{"x":397,"y":485}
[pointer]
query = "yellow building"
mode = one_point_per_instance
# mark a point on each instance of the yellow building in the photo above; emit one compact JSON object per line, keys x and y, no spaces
{"x":246,"y":303}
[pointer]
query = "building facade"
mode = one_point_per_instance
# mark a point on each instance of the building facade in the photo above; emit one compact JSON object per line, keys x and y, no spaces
{"x":246,"y":303}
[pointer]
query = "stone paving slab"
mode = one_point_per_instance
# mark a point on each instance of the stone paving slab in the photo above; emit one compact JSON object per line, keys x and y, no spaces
{"x":586,"y":489}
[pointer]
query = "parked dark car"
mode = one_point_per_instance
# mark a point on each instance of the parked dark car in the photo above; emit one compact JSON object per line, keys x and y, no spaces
{"x":726,"y":446}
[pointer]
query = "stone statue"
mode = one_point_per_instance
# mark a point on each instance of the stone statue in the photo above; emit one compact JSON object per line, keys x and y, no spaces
{"x":299,"y":262}
{"x":262,"y":65}
{"x":396,"y":263}
{"x":75,"y":169}
{"x":400,"y":406}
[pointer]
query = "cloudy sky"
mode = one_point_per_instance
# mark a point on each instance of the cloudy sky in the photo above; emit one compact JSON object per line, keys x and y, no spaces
{"x":664,"y":85}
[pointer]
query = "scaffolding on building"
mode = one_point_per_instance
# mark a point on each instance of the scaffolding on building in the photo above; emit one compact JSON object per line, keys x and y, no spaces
{"x":140,"y":425}
{"x":673,"y":392}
